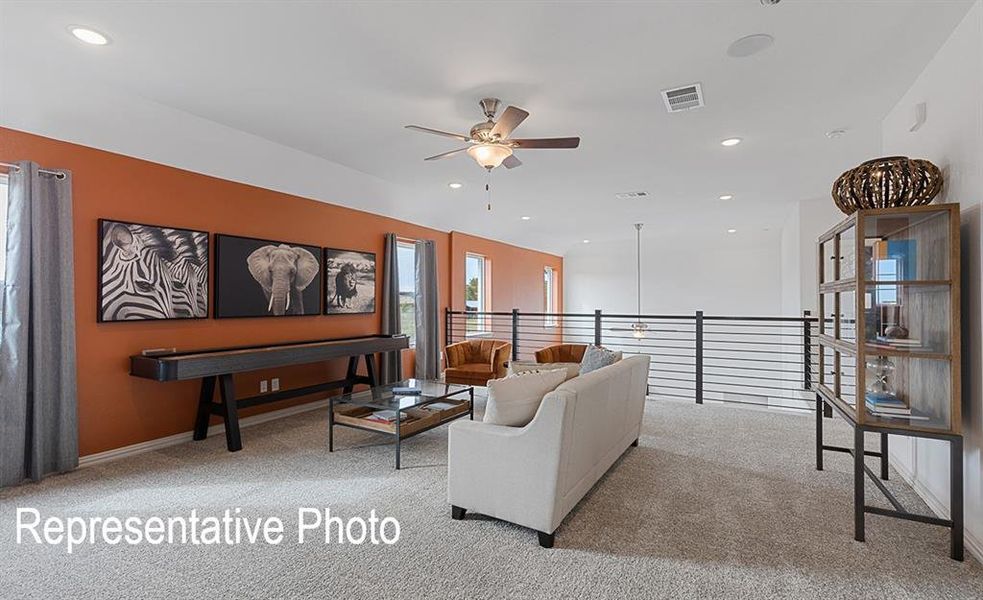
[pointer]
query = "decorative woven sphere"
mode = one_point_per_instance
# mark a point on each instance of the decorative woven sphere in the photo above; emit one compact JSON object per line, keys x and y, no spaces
{"x":887,"y":182}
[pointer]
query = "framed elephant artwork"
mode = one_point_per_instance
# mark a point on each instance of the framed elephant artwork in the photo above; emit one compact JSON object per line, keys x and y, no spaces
{"x":266,"y":278}
{"x":349,"y":282}
{"x":151,"y":273}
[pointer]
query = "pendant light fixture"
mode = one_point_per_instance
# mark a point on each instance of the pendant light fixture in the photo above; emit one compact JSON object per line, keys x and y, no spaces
{"x":638,"y":328}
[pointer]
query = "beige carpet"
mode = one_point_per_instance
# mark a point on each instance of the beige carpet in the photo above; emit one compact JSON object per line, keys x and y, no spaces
{"x":717,"y":501}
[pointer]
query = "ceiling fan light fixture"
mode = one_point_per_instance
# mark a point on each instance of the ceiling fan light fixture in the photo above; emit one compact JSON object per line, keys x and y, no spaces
{"x":489,"y":156}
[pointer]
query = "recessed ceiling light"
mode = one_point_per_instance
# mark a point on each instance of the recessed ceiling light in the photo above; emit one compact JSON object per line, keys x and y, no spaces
{"x":525,"y":217}
{"x":731,"y":231}
{"x":749,"y":45}
{"x":726,"y":196}
{"x":89,"y":36}
{"x":730,"y":141}
{"x":586,"y":241}
{"x":455,"y":185}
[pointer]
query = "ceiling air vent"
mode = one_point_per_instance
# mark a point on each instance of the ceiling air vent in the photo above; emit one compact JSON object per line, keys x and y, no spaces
{"x":630,"y":195}
{"x":684,"y":98}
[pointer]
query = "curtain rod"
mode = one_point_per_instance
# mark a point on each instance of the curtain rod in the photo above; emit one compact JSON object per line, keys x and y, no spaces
{"x":58,"y":174}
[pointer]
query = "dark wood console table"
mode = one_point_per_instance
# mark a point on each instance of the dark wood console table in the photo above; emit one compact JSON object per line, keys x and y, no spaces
{"x":211,"y":365}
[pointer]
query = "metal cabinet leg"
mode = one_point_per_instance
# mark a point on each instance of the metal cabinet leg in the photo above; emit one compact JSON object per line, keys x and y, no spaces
{"x":884,"y":473}
{"x":956,"y":496}
{"x":819,"y":433}
{"x":858,"y":484}
{"x":331,"y":424}
{"x":399,"y":436}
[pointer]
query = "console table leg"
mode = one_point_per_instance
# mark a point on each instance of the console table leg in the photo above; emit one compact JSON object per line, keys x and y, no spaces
{"x":819,"y":432}
{"x":370,"y":369}
{"x":232,"y":438}
{"x":471,"y":408}
{"x":204,"y":407}
{"x":884,"y":473}
{"x":956,"y":496}
{"x":858,"y":484}
{"x":350,"y":374}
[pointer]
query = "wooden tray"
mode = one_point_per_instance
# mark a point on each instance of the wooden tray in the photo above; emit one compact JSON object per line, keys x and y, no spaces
{"x":416,"y":419}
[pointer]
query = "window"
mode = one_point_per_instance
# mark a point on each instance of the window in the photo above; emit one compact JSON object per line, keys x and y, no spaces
{"x":476,"y":296}
{"x":406,"y":263}
{"x":887,"y":270}
{"x":549,"y":296}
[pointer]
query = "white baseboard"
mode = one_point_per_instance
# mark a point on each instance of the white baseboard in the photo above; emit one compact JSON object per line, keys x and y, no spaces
{"x":180,"y":438}
{"x":973,"y":544}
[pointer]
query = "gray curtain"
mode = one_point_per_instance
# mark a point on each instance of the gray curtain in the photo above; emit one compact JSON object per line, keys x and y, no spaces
{"x":38,"y":405}
{"x":427,"y":323}
{"x":391,"y":369}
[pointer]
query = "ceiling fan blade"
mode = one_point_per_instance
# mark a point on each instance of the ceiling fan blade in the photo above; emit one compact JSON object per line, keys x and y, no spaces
{"x":456,"y":136}
{"x":568,"y":142}
{"x":511,"y":162}
{"x":446,"y":154}
{"x":509,"y":120}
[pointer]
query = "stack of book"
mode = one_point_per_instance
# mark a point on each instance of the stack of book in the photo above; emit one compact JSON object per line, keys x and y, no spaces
{"x":888,"y":405}
{"x":898,"y":343}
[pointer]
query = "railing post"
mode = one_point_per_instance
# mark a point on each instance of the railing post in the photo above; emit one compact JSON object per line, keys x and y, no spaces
{"x":515,"y":334}
{"x":699,"y":357}
{"x":806,"y":351}
{"x":448,"y":335}
{"x":597,"y":327}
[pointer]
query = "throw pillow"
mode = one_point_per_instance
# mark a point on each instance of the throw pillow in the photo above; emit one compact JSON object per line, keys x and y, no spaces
{"x":514,"y":400}
{"x":596,"y":357}
{"x":522,"y":366}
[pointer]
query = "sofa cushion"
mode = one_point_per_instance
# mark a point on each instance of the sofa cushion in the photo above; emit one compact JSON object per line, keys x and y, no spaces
{"x":596,"y":357}
{"x":522,"y":366}
{"x":514,"y":400}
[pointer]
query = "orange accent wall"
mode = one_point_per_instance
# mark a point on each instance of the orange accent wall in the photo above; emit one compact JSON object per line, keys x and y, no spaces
{"x":116,"y":409}
{"x":516,"y":276}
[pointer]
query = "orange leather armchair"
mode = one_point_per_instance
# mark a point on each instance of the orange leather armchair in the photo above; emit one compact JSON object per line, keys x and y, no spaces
{"x":474,"y":362}
{"x":561,"y":353}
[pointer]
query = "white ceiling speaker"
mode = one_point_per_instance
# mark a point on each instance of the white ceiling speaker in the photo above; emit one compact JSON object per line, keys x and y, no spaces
{"x":750,"y":45}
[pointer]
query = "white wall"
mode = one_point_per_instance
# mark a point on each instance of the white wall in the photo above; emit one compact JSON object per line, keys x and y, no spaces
{"x":738,"y":274}
{"x":952,"y":138}
{"x":806,"y":221}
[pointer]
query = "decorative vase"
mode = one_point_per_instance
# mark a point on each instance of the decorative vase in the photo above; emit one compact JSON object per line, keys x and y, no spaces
{"x":887,"y":182}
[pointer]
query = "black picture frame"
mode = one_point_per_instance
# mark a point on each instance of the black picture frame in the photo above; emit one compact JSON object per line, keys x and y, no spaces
{"x":141,"y":311}
{"x":235,"y":289}
{"x":365,"y":304}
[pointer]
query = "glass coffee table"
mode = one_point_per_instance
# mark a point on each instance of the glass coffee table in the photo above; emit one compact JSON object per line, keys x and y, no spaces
{"x":376,"y":409}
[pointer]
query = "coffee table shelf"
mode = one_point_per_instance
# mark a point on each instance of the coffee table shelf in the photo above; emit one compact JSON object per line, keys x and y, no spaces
{"x":355,"y":409}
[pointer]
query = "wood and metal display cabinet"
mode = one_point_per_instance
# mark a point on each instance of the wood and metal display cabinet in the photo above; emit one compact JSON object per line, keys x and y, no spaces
{"x":889,"y":347}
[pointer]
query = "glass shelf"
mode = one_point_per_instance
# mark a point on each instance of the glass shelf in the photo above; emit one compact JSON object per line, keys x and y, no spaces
{"x":910,"y":319}
{"x":905,"y":391}
{"x":907,"y":246}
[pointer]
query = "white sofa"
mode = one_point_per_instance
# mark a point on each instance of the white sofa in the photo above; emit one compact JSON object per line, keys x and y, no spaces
{"x":534,"y":475}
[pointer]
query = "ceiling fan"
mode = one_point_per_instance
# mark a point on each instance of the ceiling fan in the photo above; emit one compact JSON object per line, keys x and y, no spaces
{"x":489,"y":141}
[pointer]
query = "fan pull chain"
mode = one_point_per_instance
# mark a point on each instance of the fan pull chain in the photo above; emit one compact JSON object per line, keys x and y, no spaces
{"x":488,"y":189}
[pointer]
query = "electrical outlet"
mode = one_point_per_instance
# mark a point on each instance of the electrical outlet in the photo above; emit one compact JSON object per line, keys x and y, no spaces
{"x":263,"y":387}
{"x":275,"y":384}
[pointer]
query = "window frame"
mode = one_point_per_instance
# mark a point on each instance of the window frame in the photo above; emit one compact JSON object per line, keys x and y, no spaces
{"x":478,"y":326}
{"x":549,"y":297}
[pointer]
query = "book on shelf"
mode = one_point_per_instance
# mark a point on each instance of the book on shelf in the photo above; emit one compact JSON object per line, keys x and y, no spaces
{"x":385,"y":416}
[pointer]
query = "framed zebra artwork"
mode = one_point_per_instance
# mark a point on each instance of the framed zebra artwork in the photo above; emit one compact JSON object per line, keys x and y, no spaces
{"x":266,"y":278}
{"x":349,"y":282}
{"x":151,"y":273}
